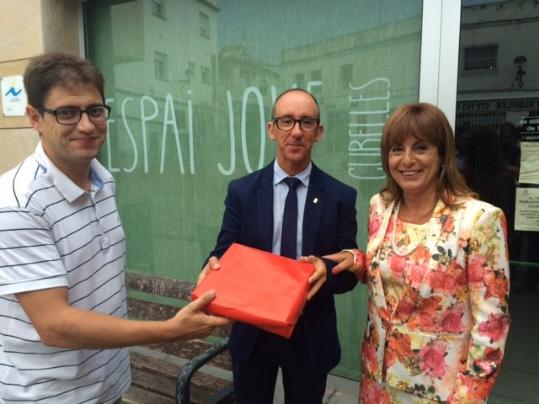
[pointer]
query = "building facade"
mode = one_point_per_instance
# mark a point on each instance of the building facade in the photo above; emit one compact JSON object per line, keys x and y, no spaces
{"x":191,"y":84}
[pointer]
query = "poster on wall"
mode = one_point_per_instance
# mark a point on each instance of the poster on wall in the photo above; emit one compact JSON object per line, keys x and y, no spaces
{"x":529,"y":151}
{"x":527,"y":209}
{"x":13,"y":96}
{"x":527,"y":198}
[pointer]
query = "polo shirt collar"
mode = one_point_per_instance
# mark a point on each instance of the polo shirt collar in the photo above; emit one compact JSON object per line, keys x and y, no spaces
{"x":69,"y":190}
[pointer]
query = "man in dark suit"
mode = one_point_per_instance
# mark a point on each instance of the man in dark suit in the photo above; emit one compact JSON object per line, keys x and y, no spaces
{"x":326,"y":223}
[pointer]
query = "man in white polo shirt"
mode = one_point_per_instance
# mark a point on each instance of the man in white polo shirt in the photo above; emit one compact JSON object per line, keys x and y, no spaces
{"x":63,"y":325}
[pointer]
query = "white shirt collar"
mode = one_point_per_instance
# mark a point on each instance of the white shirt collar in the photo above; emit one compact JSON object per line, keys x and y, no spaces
{"x":279,"y":174}
{"x":68,"y":189}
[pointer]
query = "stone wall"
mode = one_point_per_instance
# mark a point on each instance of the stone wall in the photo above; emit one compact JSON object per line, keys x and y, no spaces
{"x":28,"y":28}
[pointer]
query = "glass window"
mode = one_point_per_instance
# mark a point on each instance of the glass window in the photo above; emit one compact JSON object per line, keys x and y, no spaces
{"x":346,"y":75}
{"x":480,"y":57}
{"x":204,"y":21}
{"x":191,"y":69}
{"x":158,"y":8}
{"x":205,"y":74}
{"x":299,"y":79}
{"x":160,"y":66}
{"x":174,"y":145}
{"x":315,"y":75}
{"x":497,"y":137}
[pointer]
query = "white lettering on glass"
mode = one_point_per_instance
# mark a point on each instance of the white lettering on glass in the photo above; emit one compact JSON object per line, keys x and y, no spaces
{"x":369,"y":106}
{"x":258,"y":95}
{"x":369,"y":109}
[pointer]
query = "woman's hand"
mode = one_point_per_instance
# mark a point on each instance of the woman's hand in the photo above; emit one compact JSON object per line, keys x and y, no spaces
{"x":344,"y":260}
{"x":349,"y":260}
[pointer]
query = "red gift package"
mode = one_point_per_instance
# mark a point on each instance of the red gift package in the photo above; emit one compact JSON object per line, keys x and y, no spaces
{"x":258,"y":288}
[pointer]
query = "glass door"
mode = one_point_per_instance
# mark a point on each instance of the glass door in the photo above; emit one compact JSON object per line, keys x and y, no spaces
{"x":497,"y":137}
{"x":192,"y":83}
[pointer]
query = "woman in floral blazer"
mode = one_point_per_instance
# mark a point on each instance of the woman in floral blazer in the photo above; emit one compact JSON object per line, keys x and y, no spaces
{"x":437,"y":272}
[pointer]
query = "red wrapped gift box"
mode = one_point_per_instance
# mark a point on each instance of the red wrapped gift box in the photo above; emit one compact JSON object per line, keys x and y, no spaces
{"x":258,"y":288}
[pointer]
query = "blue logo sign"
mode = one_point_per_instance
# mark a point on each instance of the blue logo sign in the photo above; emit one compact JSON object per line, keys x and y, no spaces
{"x":13,"y":92}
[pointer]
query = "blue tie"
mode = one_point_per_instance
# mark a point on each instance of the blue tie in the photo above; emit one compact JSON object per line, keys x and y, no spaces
{"x":289,"y":235}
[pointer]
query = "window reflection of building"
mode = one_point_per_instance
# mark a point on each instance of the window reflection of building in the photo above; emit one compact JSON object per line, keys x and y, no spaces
{"x":497,"y":46}
{"x":239,"y":70}
{"x":145,"y":53}
{"x":299,"y":79}
{"x":205,"y":74}
{"x":155,"y":79}
{"x":498,"y":85}
{"x":158,"y":8}
{"x":346,"y":74}
{"x":246,"y":64}
{"x":482,"y":58}
{"x":358,"y":57}
{"x":492,"y":36}
{"x":160,"y":66}
{"x":204,"y":22}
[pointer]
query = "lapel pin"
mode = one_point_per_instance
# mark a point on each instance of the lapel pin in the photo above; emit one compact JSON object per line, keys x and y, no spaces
{"x":315,"y":200}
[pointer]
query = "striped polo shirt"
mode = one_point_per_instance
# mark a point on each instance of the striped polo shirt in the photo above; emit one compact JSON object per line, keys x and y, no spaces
{"x":55,"y":234}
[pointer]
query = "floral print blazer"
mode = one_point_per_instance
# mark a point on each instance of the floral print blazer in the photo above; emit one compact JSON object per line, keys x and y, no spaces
{"x":445,"y":338}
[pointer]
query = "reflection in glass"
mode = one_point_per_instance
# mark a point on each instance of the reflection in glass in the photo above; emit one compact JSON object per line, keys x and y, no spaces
{"x":192,"y":93}
{"x":497,"y":137}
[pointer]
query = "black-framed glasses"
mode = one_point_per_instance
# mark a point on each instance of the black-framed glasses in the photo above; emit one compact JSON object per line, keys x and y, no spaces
{"x":73,"y":115}
{"x":287,"y":123}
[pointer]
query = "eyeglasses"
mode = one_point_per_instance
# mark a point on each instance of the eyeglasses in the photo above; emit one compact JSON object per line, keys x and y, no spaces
{"x":287,"y":123}
{"x":73,"y":115}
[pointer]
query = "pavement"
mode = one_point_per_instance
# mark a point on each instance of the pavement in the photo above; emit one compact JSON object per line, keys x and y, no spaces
{"x":339,"y":390}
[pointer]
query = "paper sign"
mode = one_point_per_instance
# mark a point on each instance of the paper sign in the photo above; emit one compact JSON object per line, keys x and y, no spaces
{"x":529,"y":163}
{"x":13,"y":96}
{"x":527,"y":209}
{"x":529,"y":150}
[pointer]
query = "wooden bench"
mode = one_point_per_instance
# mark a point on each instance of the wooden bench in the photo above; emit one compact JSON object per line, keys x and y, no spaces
{"x":157,"y":368}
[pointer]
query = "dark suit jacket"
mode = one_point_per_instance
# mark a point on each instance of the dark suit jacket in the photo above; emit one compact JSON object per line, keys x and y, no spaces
{"x":329,"y":225}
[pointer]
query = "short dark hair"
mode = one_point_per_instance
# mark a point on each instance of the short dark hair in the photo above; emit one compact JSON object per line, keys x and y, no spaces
{"x":426,"y":122}
{"x":49,"y":70}
{"x":301,"y":90}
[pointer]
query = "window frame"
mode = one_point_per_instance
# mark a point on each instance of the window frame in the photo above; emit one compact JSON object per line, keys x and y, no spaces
{"x":440,"y":34}
{"x":204,"y":19}
{"x":479,"y":70}
{"x":162,"y":59}
{"x":162,"y":13}
{"x":205,"y":75}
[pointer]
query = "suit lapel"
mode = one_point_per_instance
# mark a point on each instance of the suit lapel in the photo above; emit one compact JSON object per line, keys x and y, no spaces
{"x":314,"y":204}
{"x":385,"y":212}
{"x":264,"y":200}
{"x":373,"y":247}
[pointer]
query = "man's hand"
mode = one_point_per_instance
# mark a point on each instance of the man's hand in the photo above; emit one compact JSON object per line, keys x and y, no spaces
{"x":212,"y":265}
{"x":192,"y":322}
{"x":61,"y":325}
{"x":318,"y":278}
